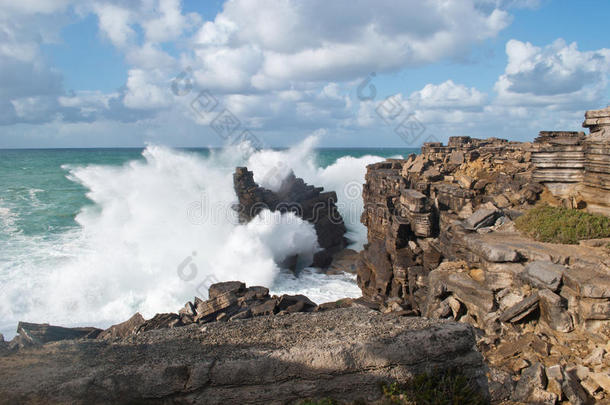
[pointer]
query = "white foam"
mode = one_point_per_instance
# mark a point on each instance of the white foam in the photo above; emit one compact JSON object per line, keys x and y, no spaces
{"x":159,"y":231}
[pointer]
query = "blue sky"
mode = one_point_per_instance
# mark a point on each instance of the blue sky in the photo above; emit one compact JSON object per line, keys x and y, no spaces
{"x":101,"y":73}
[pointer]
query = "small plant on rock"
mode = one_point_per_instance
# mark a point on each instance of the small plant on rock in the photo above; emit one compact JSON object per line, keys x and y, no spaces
{"x":437,"y":388}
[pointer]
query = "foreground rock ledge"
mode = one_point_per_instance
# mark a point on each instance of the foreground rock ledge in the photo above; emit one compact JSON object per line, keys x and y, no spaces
{"x":341,"y":353}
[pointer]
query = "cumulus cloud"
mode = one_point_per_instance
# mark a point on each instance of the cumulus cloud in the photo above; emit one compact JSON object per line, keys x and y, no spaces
{"x":290,"y":67}
{"x":557,"y":74}
{"x":283,"y":41}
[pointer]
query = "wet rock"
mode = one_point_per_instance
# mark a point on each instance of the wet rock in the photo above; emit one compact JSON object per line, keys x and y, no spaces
{"x":36,"y":334}
{"x":306,"y":201}
{"x":123,"y":329}
{"x":344,"y":262}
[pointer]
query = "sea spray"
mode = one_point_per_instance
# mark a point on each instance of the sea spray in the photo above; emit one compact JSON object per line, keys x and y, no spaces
{"x":172,"y":208}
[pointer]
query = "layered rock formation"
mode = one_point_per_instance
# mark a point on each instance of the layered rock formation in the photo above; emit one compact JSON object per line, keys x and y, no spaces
{"x":575,"y":167}
{"x":597,"y":168}
{"x":441,"y":243}
{"x":343,"y":354}
{"x":294,"y":195}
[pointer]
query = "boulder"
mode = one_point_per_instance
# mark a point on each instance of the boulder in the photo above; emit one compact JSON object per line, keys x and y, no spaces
{"x":123,"y":329}
{"x":603,"y":380}
{"x":217,"y":289}
{"x":264,"y":360}
{"x":256,"y":292}
{"x":295,"y":303}
{"x":267,"y":308}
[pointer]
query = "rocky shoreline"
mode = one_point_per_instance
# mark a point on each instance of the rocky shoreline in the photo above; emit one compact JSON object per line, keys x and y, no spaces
{"x":445,"y":277}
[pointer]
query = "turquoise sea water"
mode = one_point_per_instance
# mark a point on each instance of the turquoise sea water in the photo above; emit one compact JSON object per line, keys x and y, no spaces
{"x":38,"y":198}
{"x":89,"y":236}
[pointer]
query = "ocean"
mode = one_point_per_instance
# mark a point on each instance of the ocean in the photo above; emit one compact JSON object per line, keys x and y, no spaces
{"x":90,"y":236}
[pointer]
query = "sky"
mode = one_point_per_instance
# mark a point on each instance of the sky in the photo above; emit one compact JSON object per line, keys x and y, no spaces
{"x":357,"y":73}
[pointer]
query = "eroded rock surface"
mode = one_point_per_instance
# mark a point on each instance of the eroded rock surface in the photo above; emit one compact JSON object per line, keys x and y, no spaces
{"x":341,"y":353}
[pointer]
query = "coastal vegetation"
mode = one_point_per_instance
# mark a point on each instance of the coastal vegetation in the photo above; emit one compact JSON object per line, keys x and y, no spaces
{"x":562,"y":225}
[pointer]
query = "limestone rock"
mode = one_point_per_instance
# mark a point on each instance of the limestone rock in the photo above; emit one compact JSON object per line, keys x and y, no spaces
{"x":260,"y":360}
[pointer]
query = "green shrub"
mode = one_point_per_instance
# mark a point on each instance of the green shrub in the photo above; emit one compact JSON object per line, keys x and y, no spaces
{"x":438,"y":388}
{"x":562,"y":225}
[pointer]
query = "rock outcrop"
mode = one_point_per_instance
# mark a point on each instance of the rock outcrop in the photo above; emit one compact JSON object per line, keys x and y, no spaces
{"x":342,"y":353}
{"x":441,"y":243}
{"x":294,"y":195}
{"x":596,"y":186}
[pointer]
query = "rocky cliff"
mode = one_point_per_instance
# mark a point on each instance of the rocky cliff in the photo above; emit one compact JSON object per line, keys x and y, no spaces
{"x":442,"y":243}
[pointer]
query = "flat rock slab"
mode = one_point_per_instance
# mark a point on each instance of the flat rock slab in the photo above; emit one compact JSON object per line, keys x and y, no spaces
{"x":341,"y":353}
{"x":543,"y":274}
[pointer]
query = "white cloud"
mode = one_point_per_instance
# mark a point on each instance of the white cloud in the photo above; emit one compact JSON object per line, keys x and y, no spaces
{"x":114,"y":23}
{"x":150,"y":56}
{"x":34,"y":6}
{"x":448,"y":95}
{"x":280,"y":42}
{"x":170,"y":22}
{"x":144,"y":92}
{"x":557,"y":74}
